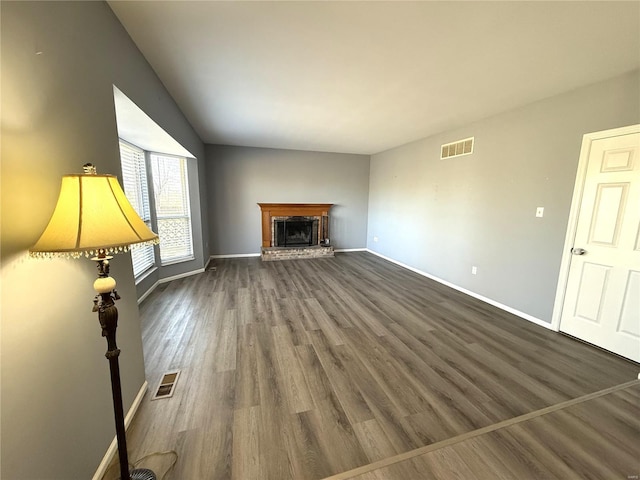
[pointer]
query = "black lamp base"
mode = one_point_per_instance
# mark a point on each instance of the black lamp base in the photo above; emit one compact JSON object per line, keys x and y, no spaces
{"x":142,"y":474}
{"x":104,"y":304}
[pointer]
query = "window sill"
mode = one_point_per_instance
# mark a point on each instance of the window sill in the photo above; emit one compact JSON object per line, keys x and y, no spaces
{"x":177,"y":260}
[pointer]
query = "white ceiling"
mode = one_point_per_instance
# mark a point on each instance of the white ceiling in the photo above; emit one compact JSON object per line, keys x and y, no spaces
{"x":363,"y":77}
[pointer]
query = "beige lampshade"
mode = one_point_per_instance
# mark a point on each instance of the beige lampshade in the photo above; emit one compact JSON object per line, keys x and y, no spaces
{"x":92,"y":215}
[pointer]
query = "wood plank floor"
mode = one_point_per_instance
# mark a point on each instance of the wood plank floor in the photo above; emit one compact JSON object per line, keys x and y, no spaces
{"x":541,"y":447}
{"x":305,"y":369}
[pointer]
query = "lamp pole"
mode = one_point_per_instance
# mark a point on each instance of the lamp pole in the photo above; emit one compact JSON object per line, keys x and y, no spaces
{"x":104,"y":304}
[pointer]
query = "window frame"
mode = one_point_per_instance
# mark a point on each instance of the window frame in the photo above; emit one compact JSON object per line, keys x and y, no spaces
{"x":186,"y":200}
{"x":152,"y":201}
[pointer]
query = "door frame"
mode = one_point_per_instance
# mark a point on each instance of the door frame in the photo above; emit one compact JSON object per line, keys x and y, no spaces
{"x":572,"y":225}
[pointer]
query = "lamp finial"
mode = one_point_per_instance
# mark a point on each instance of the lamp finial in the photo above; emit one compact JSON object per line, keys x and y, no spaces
{"x":89,"y":169}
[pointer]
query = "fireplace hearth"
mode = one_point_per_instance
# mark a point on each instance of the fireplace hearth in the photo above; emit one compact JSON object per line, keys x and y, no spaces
{"x":295,"y":230}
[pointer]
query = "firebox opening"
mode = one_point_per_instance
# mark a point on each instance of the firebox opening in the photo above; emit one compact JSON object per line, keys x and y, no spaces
{"x":296,"y":232}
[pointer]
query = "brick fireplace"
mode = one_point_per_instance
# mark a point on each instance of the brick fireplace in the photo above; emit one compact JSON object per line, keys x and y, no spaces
{"x":295,"y":230}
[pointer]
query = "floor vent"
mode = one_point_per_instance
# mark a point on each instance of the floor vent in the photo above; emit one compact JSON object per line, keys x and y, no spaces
{"x":168,"y":382}
{"x":457,"y":149}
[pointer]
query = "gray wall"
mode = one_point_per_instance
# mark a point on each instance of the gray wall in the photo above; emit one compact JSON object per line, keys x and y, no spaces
{"x":444,"y":216}
{"x":241,"y":177}
{"x":57,"y":114}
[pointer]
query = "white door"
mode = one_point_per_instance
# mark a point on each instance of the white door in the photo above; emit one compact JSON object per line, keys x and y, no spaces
{"x":602,"y":297}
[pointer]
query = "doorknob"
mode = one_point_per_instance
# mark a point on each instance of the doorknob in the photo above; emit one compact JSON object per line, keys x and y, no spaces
{"x":578,"y":251}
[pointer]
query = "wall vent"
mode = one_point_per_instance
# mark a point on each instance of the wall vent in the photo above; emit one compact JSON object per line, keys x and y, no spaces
{"x":167,"y":384}
{"x":457,"y":149}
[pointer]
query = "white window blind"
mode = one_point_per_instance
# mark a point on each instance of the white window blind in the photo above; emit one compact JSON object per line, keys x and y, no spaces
{"x":134,"y":177}
{"x":171,"y":195}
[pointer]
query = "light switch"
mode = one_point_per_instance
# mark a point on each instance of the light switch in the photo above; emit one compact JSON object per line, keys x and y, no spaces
{"x":540,"y":212}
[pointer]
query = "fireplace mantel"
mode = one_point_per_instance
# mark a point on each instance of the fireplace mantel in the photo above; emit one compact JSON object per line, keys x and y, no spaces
{"x":270,"y":210}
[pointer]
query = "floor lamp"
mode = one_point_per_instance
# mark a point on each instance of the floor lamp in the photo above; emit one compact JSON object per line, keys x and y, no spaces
{"x":94,"y":218}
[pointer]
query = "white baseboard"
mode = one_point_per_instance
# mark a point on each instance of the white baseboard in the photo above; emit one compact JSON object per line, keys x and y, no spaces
{"x":113,"y":448}
{"x":181,"y":275}
{"x":242,"y":255}
{"x":501,"y":306}
{"x":148,"y":292}
{"x":168,"y":279}
{"x":236,"y":255}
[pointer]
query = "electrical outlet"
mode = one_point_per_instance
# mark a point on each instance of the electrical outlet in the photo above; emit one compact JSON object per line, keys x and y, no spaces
{"x":540,"y":212}
{"x":375,"y":239}
{"x":474,"y":270}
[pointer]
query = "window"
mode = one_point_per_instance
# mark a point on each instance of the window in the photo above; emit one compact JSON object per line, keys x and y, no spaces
{"x":170,"y":216}
{"x":134,"y":177}
{"x":171,"y":195}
